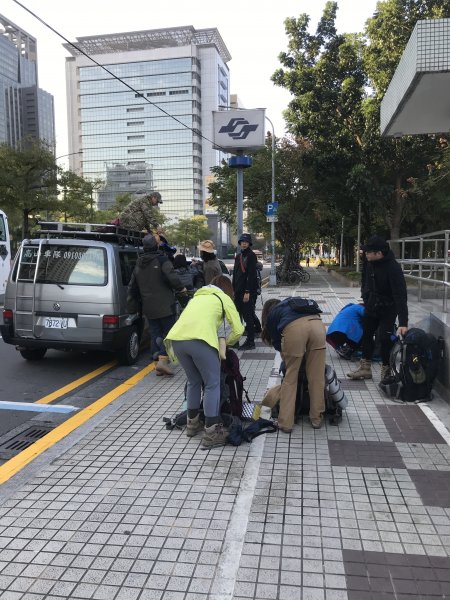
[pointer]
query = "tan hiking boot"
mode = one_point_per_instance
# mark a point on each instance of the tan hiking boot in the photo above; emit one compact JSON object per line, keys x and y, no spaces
{"x":163,"y":366}
{"x":216,"y":435}
{"x":364,"y":371}
{"x":194,"y":426}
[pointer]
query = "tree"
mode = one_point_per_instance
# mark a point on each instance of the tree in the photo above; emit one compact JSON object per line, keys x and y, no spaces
{"x":186,"y":233}
{"x":337,"y":83}
{"x":296,"y":218}
{"x":28,"y":179}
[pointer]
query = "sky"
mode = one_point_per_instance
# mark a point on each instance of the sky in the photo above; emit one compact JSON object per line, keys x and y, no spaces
{"x":252,"y":31}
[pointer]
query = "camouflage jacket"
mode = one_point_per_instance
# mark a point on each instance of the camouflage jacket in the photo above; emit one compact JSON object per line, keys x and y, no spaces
{"x":140,"y":215}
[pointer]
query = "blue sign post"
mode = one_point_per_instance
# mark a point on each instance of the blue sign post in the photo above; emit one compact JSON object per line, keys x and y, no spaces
{"x":272,"y":212}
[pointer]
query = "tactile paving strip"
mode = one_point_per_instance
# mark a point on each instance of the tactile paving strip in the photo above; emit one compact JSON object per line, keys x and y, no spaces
{"x":385,"y":575}
{"x":409,"y":424}
{"x":349,"y":453}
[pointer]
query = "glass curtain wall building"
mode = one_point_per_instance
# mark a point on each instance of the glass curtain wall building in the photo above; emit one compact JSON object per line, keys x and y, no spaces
{"x":151,"y":137}
{"x":25,"y":109}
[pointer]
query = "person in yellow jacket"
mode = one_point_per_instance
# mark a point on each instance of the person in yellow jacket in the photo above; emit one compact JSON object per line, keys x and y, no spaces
{"x":209,"y":322}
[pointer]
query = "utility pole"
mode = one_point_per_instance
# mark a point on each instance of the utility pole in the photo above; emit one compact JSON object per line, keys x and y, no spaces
{"x":342,"y":245}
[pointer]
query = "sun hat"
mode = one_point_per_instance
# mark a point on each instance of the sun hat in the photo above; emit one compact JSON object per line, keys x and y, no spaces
{"x":206,"y":246}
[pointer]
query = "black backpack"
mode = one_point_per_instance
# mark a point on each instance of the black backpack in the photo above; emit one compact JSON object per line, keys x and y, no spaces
{"x":414,"y":361}
{"x":335,"y":399}
{"x":232,"y":394}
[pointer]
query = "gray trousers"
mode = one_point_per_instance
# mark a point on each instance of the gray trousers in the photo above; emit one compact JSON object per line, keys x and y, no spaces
{"x":201,"y":364}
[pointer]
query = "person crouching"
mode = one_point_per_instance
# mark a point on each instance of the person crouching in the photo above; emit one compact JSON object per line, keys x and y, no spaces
{"x":194,"y":341}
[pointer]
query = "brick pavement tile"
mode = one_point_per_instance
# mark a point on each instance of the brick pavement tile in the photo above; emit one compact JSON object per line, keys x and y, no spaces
{"x":364,"y":454}
{"x":409,"y":424}
{"x":433,"y":487}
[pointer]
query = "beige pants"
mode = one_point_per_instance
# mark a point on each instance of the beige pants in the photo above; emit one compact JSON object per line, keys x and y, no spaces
{"x":304,"y":336}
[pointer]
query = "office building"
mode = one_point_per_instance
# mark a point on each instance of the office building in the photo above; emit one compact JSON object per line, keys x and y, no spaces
{"x":26,"y":111}
{"x":156,"y":135}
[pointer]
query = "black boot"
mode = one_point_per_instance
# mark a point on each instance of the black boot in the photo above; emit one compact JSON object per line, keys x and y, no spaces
{"x":248,"y":345}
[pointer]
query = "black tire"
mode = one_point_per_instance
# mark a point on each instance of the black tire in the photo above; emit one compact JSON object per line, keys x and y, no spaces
{"x":294,"y":278}
{"x":129,"y":353}
{"x":305,"y":276}
{"x":33,"y":353}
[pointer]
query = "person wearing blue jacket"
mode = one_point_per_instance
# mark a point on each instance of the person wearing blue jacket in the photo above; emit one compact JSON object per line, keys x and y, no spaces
{"x":296,"y":336}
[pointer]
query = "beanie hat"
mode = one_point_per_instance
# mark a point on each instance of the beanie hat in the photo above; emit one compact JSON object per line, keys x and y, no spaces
{"x":206,"y":246}
{"x":150,"y":242}
{"x":245,"y":237}
{"x":156,"y":195}
{"x":376,"y":244}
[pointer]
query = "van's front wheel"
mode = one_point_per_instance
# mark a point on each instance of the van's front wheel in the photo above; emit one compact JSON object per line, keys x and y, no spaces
{"x":129,"y":353}
{"x":33,"y":353}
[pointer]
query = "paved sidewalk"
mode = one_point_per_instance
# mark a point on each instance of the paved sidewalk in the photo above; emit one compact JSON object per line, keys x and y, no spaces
{"x":124,"y":509}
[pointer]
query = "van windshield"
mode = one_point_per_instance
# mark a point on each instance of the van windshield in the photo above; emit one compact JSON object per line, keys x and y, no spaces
{"x":2,"y":229}
{"x":65,"y":265}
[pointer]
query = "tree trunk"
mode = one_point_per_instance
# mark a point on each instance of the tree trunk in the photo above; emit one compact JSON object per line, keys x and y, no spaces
{"x":397,"y":216}
{"x":25,"y":223}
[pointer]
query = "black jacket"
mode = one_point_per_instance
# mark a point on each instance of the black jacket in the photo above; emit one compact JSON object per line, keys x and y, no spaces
{"x":383,"y":287}
{"x":244,"y":273}
{"x":153,"y":283}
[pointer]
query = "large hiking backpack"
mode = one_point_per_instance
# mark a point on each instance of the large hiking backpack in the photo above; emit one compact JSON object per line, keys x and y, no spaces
{"x":232,"y":394}
{"x":414,"y":361}
{"x":335,"y":398}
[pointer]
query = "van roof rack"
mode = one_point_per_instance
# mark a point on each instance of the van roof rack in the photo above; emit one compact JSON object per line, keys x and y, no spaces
{"x":90,"y":231}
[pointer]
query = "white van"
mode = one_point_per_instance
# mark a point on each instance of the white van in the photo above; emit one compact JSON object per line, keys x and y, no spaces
{"x":5,"y":254}
{"x":67,"y":291}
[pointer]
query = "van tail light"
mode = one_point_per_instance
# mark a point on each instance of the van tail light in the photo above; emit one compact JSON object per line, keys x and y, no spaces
{"x":7,"y":316}
{"x":110,"y":321}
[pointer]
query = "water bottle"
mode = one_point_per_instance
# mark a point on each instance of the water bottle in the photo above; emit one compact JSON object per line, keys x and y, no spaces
{"x":334,"y":387}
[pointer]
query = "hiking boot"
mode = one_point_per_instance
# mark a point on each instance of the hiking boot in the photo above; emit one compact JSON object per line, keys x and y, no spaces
{"x":163,"y":366}
{"x":194,"y":426}
{"x":386,"y":374}
{"x":216,"y":435}
{"x":316,"y":423}
{"x":364,"y":371}
{"x":247,"y":345}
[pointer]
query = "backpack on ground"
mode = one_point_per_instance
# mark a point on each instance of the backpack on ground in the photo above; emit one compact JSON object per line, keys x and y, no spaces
{"x":335,"y":398}
{"x":414,"y":362}
{"x":232,"y":394}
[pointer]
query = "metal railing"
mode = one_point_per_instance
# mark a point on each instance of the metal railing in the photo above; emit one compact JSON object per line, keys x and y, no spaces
{"x":425,"y":259}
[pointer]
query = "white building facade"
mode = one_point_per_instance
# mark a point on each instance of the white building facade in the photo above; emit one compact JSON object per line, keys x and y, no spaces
{"x":157,"y":135}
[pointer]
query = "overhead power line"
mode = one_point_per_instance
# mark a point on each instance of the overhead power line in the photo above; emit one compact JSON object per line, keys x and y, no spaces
{"x":130,"y":87}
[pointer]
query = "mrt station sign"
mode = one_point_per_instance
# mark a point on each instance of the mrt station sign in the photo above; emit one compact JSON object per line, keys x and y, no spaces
{"x":236,"y":130}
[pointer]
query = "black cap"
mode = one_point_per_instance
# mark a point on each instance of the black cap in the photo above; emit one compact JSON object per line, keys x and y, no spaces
{"x":376,"y":244}
{"x":245,"y":237}
{"x":150,"y":242}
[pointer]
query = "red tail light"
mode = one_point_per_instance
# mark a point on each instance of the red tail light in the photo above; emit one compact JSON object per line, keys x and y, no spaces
{"x":110,"y":321}
{"x":7,"y":316}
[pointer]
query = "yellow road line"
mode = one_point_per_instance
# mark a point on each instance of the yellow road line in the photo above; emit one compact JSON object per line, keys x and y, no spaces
{"x":15,"y":464}
{"x":71,"y":386}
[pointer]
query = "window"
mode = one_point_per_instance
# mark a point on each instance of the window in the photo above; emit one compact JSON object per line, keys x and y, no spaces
{"x":135,"y":109}
{"x":156,"y":94}
{"x":64,"y":265}
{"x":132,"y":123}
{"x":136,"y":151}
{"x":135,"y":137}
{"x":176,"y":92}
{"x":127,"y":263}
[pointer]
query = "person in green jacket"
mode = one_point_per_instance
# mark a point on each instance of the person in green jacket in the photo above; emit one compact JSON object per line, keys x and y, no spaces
{"x":194,"y":341}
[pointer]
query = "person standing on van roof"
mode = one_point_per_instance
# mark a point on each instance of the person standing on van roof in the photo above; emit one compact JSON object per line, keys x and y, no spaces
{"x":152,"y":285}
{"x":142,"y":213}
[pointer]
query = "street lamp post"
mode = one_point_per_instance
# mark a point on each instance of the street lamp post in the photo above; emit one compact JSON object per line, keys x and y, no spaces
{"x":273,"y":275}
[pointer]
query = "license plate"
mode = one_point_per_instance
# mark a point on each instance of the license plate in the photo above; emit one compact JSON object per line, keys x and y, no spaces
{"x":56,"y":323}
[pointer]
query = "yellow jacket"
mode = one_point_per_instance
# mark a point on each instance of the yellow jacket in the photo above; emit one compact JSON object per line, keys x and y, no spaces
{"x":203,"y":317}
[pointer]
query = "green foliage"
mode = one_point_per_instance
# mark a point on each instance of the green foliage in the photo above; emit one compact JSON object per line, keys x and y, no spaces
{"x":296,"y":217}
{"x":28,"y":179}
{"x":186,"y":233}
{"x":337,"y":82}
